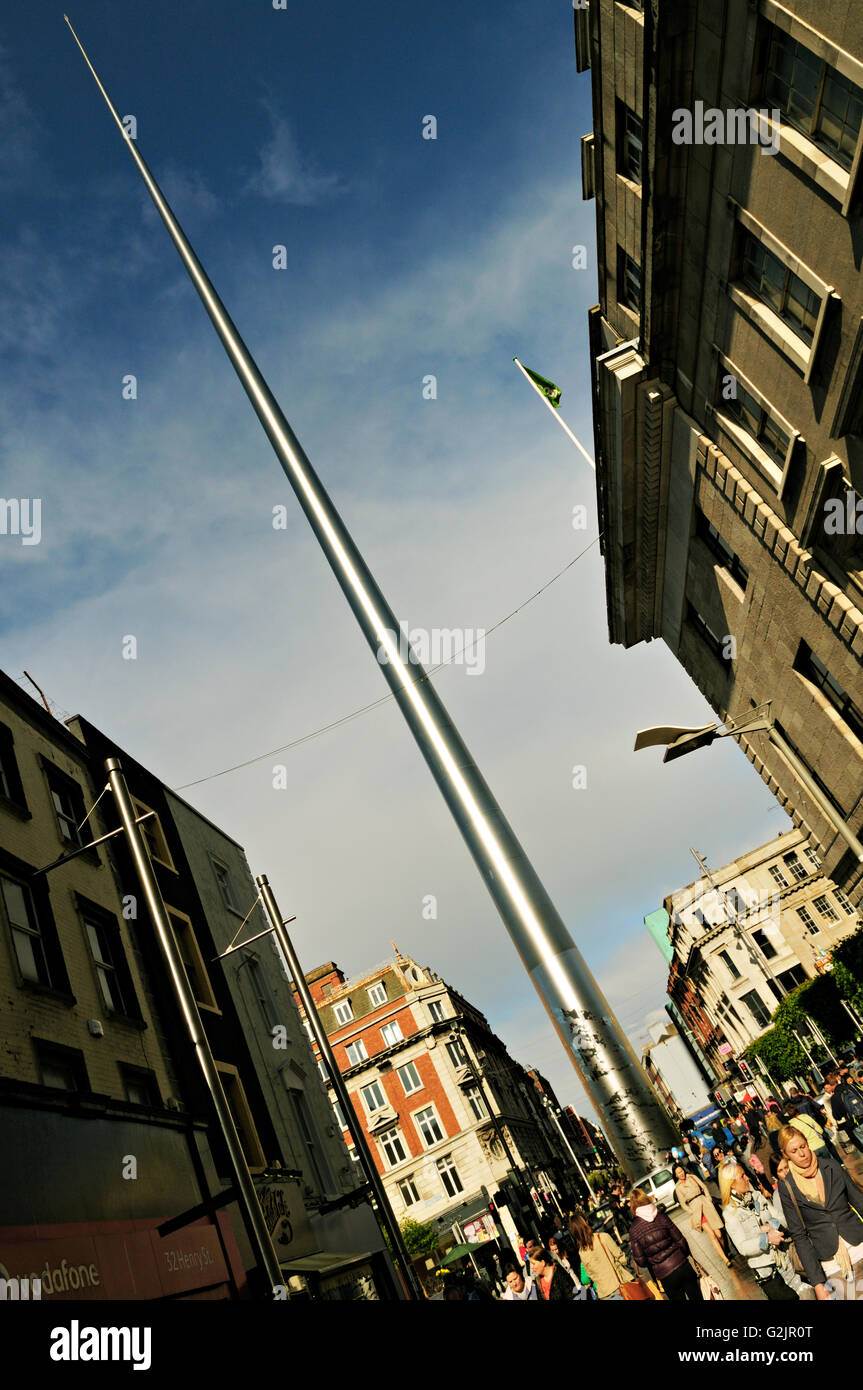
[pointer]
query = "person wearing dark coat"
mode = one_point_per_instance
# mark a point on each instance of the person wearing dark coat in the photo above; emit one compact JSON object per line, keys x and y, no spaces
{"x":553,"y":1284}
{"x":805,"y":1105}
{"x":656,"y":1244}
{"x":822,"y":1206}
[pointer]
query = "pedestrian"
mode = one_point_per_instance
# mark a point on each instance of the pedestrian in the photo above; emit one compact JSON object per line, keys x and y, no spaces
{"x":846,"y":1105}
{"x":805,"y":1105}
{"x":773,"y":1124}
{"x":553,"y":1283}
{"x":696,"y":1201}
{"x":657,"y":1245}
{"x":530,"y":1247}
{"x":810,"y":1128}
{"x":601,"y":1258}
{"x":520,"y":1288}
{"x":822,"y":1205}
{"x":754,"y":1230}
{"x":558,"y":1248}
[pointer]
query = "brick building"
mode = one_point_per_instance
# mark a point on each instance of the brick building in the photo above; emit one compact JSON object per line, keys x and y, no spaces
{"x":727,"y":369}
{"x":439,"y":1099}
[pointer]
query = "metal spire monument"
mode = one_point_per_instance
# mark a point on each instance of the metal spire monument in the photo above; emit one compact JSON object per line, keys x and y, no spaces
{"x":606,"y":1063}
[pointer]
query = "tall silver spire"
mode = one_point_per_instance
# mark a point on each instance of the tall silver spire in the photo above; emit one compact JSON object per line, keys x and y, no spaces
{"x":606,"y":1063}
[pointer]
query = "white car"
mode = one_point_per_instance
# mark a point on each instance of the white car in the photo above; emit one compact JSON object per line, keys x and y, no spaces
{"x":660,"y":1185}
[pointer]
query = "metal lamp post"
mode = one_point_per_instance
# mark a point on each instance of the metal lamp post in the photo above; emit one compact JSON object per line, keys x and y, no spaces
{"x":246,"y":1194}
{"x":603,"y":1057}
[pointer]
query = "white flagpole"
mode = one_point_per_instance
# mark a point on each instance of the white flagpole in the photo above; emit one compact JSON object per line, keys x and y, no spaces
{"x":556,"y":413}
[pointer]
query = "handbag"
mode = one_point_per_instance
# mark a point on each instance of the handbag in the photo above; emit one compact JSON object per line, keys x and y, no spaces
{"x":710,"y":1290}
{"x":632,"y":1290}
{"x":796,"y":1262}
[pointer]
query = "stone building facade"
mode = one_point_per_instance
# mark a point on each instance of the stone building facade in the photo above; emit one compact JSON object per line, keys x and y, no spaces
{"x":727,"y":354}
{"x":745,"y":936}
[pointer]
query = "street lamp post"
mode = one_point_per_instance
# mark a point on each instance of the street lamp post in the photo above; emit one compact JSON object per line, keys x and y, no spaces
{"x":559,"y":1127}
{"x":387,"y":1216}
{"x":459,"y":1035}
{"x":680,"y":740}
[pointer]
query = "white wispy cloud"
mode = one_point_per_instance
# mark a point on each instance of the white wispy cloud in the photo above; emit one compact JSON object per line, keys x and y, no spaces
{"x":285,"y":173}
{"x":19,"y":130}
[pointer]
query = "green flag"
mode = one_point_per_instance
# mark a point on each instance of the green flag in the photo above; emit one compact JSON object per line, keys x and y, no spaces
{"x":551,"y":392}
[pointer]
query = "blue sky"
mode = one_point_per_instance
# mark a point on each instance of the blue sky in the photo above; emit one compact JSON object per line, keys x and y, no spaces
{"x":405,"y":257}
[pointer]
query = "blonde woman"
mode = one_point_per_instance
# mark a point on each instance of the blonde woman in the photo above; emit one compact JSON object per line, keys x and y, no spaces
{"x":822,"y":1206}
{"x":695,"y":1199}
{"x":754,"y":1230}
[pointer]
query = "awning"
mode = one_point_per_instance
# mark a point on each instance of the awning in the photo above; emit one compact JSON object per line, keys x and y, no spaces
{"x":459,"y":1251}
{"x":324,"y":1261}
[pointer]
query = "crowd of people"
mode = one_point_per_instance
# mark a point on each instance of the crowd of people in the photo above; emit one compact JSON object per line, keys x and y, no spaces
{"x":767,"y":1184}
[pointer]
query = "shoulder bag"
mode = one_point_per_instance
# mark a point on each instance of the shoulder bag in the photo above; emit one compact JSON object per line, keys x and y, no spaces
{"x":632,"y":1290}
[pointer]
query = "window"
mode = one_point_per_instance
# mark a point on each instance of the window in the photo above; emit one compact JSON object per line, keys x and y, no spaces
{"x":322,"y":1070}
{"x":629,"y":144}
{"x":628,"y":282}
{"x":315,"y":1156}
{"x":795,"y":866}
{"x":62,"y":1068}
{"x":226,"y":884}
{"x":762,"y":940}
{"x":844,"y":901}
{"x":68,"y":802}
{"x":720,"y":549}
{"x":794,"y":975}
{"x":343,"y":1012}
{"x":476,"y":1103}
{"x":356,"y":1052}
{"x":263,"y":993}
{"x":241,"y":1115}
{"x":308,"y":1028}
{"x":718,"y":645}
{"x":429,"y":1126}
{"x":771,"y":281}
{"x":756,"y":1006}
{"x":340,"y":1115}
{"x":11,"y":788}
{"x":154,"y":836}
{"x":778,"y":876}
{"x":808,"y":921}
{"x":392,"y":1147}
{"x":109,"y":960}
{"x":26,"y":932}
{"x":378,"y":993}
{"x":409,"y":1194}
{"x":410,"y":1078}
{"x":734,"y":899}
{"x":391,"y":1034}
{"x":192,"y":959}
{"x":729,"y":964}
{"x":374,"y":1097}
{"x":814,"y":670}
{"x":141,"y":1087}
{"x":813,"y":97}
{"x":813,"y":859}
{"x":436,"y":1010}
{"x":825,"y":909}
{"x":456,"y":1053}
{"x":450,"y":1180}
{"x":753,"y":417}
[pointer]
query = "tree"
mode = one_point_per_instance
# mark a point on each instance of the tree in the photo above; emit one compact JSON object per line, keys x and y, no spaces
{"x":848,"y":968}
{"x":421,"y":1238}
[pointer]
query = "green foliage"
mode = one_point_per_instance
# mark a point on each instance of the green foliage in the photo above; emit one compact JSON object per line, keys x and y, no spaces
{"x":420,"y":1237}
{"x":780,"y":1052}
{"x":848,"y":968}
{"x":601,"y":1177}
